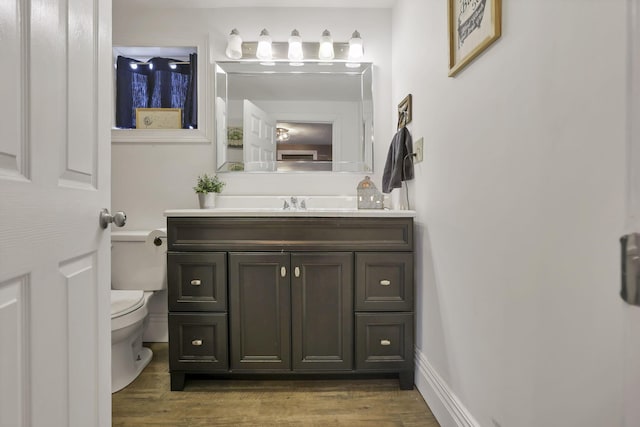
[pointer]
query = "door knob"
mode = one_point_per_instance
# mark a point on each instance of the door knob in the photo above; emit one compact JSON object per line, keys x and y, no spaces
{"x":119,"y":219}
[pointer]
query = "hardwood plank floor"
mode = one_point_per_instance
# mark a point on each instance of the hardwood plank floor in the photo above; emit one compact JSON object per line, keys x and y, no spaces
{"x":148,"y":401}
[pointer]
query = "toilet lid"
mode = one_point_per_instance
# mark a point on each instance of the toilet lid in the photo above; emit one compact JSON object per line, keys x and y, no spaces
{"x":124,"y":302}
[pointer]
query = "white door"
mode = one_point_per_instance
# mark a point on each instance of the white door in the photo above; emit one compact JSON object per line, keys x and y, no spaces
{"x":631,"y":362}
{"x":259,"y":144}
{"x":55,"y":346}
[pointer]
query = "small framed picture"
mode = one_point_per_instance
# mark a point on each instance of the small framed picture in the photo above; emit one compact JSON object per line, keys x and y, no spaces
{"x":473,"y":26}
{"x":158,"y":118}
{"x":404,"y":112}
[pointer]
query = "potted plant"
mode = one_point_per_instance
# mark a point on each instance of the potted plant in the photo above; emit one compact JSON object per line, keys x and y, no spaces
{"x":206,"y":188}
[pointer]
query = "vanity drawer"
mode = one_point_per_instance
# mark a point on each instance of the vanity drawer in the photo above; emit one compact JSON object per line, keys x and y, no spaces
{"x":384,"y":341}
{"x":197,"y":281}
{"x":384,"y":281}
{"x":198,"y":342}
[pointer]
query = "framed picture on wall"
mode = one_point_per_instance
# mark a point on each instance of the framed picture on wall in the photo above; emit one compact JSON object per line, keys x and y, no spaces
{"x":473,"y":26}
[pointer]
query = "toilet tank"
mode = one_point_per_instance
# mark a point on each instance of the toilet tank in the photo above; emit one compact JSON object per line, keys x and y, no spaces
{"x":136,"y":264}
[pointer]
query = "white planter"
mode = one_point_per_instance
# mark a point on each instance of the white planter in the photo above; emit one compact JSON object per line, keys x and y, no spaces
{"x":207,"y":200}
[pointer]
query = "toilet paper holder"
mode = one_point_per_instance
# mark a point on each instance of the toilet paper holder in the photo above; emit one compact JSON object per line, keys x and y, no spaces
{"x":158,"y":241}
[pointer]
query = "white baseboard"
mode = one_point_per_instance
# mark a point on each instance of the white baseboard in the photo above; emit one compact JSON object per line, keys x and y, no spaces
{"x":157,"y":329}
{"x":445,"y":405}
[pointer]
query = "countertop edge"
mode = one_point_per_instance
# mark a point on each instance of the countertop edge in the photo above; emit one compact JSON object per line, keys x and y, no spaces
{"x":336,"y":213}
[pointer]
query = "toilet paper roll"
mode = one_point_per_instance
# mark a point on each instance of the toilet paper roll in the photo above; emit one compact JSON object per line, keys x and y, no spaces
{"x":157,"y":240}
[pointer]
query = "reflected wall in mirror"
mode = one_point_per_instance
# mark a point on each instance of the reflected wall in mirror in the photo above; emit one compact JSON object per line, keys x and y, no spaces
{"x":280,"y":118}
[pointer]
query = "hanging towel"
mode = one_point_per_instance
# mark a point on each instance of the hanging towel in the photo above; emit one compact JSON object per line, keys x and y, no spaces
{"x":399,"y":165}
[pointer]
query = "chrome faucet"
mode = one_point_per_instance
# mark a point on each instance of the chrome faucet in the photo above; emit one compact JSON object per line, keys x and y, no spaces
{"x":294,"y":202}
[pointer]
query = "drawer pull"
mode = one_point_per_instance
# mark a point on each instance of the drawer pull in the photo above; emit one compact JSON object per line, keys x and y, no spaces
{"x":296,"y":271}
{"x":385,"y":282}
{"x":196,"y":343}
{"x":385,"y":342}
{"x":283,"y":271}
{"x":196,"y":282}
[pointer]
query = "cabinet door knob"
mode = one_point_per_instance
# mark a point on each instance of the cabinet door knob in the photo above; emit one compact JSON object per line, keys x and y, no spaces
{"x":283,"y":271}
{"x":297,"y":271}
{"x":385,"y":282}
{"x":196,"y":343}
{"x":385,"y":342}
{"x":196,"y":282}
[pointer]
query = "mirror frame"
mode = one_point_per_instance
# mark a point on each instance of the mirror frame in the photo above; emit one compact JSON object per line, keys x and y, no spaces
{"x":221,"y":133}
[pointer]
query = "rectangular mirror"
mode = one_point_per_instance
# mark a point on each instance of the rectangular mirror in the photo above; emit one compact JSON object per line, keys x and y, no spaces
{"x":284,"y":118}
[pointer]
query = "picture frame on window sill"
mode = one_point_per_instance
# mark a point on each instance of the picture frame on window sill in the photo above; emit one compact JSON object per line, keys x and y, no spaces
{"x":158,"y":118}
{"x":473,"y":26}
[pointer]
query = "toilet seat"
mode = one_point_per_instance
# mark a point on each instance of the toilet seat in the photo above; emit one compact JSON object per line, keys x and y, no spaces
{"x":125,"y":302}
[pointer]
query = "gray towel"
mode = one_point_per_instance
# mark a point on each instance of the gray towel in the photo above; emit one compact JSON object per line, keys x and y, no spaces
{"x":399,"y":165}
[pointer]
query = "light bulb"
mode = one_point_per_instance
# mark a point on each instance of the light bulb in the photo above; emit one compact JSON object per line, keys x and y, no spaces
{"x":263,"y":52}
{"x":355,"y":47}
{"x":234,"y":45}
{"x":295,"y":46}
{"x":326,"y":46}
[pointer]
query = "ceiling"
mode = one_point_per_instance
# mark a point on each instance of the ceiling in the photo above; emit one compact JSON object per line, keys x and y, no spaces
{"x":213,"y":4}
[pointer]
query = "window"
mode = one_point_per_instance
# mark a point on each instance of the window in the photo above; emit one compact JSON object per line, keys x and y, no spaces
{"x":159,"y":83}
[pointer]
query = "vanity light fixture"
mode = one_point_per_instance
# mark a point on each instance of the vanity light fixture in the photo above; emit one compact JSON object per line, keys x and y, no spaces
{"x":294,"y":50}
{"x":234,"y":45}
{"x":264,"y":52}
{"x":325,"y":51}
{"x":295,"y":53}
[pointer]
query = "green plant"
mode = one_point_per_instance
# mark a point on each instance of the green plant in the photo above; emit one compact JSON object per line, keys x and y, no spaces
{"x":208,"y":184}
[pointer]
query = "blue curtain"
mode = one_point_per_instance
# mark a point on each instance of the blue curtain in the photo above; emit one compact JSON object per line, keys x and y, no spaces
{"x":156,"y":85}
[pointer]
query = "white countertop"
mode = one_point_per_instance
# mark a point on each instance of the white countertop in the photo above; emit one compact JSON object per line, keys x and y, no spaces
{"x":271,"y":212}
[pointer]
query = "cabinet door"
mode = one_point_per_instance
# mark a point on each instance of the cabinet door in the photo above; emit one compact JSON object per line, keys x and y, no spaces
{"x":322,"y":311}
{"x":260,"y":311}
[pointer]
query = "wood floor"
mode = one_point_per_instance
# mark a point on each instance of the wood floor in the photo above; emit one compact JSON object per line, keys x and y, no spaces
{"x":204,"y":402}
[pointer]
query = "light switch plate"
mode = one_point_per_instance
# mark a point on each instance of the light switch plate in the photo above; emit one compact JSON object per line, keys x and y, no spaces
{"x":418,"y":149}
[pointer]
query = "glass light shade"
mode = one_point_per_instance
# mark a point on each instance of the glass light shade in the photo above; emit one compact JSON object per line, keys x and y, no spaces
{"x":282,"y":134}
{"x":356,"y":51}
{"x":263,"y":52}
{"x":234,"y":45}
{"x":295,"y":46}
{"x":326,"y":46}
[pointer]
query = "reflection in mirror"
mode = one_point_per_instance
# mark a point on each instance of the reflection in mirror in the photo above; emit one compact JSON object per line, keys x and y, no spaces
{"x":280,"y":118}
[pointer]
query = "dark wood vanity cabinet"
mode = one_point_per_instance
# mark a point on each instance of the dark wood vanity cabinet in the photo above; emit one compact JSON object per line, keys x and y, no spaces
{"x":291,"y":296}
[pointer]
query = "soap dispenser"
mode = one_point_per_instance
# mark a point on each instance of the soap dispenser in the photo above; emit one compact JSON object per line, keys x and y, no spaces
{"x":368,"y":195}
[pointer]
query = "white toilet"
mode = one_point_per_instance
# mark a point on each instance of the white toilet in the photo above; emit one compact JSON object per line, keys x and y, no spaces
{"x":138,"y":268}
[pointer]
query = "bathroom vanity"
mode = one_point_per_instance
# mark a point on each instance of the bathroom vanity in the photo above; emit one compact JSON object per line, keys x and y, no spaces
{"x":316,"y":293}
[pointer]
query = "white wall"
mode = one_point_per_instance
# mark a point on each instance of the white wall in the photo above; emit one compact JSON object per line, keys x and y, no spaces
{"x":520,"y":205}
{"x":149,"y":178}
